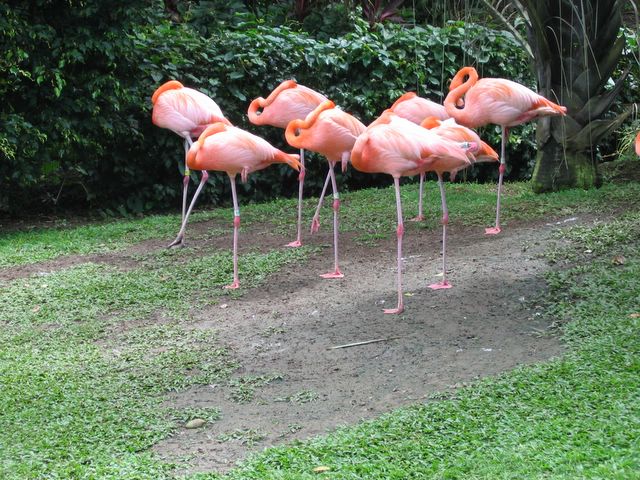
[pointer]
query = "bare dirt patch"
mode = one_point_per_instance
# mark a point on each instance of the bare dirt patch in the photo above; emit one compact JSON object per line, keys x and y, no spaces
{"x":282,"y":331}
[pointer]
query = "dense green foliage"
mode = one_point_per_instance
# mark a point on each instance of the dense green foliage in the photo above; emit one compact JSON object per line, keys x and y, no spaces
{"x":75,"y":124}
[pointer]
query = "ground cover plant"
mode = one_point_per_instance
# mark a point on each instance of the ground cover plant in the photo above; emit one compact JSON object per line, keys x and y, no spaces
{"x":90,"y":349}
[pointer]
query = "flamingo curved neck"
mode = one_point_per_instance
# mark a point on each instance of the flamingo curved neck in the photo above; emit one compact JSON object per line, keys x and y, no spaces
{"x":253,"y":113}
{"x":170,"y":85}
{"x":295,"y":127}
{"x":404,"y":97}
{"x":287,"y":84}
{"x":211,"y":130}
{"x":458,"y":89}
{"x":292,"y":133}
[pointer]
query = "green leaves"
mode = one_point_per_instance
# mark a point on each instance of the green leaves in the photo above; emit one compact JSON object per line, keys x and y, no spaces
{"x":76,"y":124}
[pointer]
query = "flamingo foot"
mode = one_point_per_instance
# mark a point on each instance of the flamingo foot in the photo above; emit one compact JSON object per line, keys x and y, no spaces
{"x":336,"y":274}
{"x":440,"y":285}
{"x":492,"y":230}
{"x":177,"y":243}
{"x":294,"y":244}
{"x":393,"y":311}
{"x":315,"y":225}
{"x":417,"y":218}
{"x":233,"y":286}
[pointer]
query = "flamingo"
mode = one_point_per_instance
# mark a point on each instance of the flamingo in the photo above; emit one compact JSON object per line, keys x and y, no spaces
{"x":289,"y":101}
{"x":332,"y":133}
{"x":450,"y":130}
{"x":232,"y":150}
{"x":400,"y":148}
{"x":498,"y":101}
{"x":186,"y":112}
{"x":638,"y":144}
{"x":416,"y":109}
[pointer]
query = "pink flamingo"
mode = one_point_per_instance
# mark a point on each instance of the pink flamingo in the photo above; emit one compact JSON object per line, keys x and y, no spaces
{"x":498,"y":101}
{"x":482,"y":152}
{"x":416,"y":109}
{"x":400,"y":148}
{"x":232,"y":150}
{"x":186,"y":112}
{"x":332,"y":133}
{"x":289,"y":101}
{"x":638,"y":144}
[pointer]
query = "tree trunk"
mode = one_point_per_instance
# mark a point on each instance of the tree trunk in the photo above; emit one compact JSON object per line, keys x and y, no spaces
{"x":557,"y":168}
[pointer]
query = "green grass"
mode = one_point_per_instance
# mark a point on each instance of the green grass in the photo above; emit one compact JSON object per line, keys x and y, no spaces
{"x":88,"y":352}
{"x":370,"y":213}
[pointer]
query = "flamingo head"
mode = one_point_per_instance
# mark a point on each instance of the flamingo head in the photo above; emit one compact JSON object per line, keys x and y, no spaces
{"x":485,"y":153}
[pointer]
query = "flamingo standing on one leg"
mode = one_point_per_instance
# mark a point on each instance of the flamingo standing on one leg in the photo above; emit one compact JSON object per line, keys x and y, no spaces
{"x":482,"y":152}
{"x":400,"y":148}
{"x":416,"y":109}
{"x":234,"y":151}
{"x":332,"y":133}
{"x":186,"y":112}
{"x":289,"y":101}
{"x":498,"y":101}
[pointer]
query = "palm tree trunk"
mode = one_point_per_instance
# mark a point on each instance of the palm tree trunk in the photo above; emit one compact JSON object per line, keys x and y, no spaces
{"x":557,"y":168}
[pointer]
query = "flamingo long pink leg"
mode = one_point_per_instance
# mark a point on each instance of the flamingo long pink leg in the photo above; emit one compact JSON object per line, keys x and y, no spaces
{"x":503,"y":166}
{"x":400,"y":234}
{"x":420,"y":216}
{"x":315,"y":223}
{"x":179,"y":241}
{"x":185,"y":179}
{"x":445,"y":221}
{"x":298,"y":241}
{"x":336,"y":208}
{"x":236,"y":227}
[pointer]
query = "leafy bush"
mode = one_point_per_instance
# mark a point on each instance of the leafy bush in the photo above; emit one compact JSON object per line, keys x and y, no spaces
{"x":75,"y":126}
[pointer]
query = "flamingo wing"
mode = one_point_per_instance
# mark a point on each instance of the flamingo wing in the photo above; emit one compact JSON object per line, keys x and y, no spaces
{"x":507,"y":103}
{"x":233,"y":150}
{"x":185,"y":111}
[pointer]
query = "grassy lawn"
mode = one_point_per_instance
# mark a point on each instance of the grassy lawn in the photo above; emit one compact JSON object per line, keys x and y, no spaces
{"x":87,"y":352}
{"x":370,"y":213}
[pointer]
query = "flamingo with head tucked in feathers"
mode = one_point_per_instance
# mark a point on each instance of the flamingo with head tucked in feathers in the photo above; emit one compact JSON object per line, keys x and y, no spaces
{"x":474,"y":102}
{"x":398,"y":147}
{"x":232,"y":150}
{"x":186,"y":112}
{"x":416,"y":109}
{"x":289,"y":101}
{"x":332,"y":133}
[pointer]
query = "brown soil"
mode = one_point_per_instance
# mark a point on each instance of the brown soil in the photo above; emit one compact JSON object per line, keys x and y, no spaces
{"x":487,"y":324}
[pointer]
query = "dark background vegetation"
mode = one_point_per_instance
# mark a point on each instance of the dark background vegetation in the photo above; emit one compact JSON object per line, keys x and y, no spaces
{"x":77,"y":77}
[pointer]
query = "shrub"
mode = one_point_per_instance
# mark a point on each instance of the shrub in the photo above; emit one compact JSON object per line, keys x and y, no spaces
{"x":76,"y":124}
